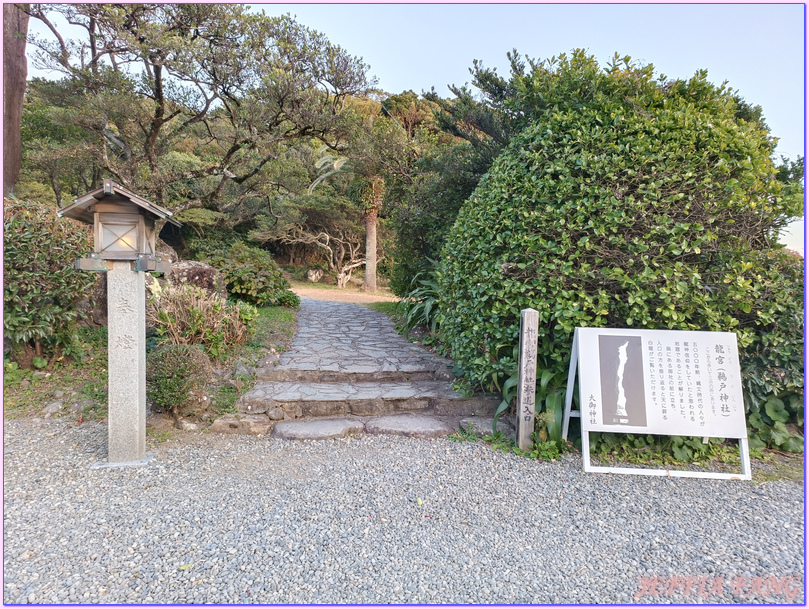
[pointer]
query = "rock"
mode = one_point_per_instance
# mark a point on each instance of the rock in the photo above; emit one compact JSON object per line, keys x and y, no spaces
{"x":269,"y":360}
{"x":58,"y":394}
{"x":314,"y":275}
{"x":25,"y":384}
{"x":186,"y":425}
{"x":26,"y":555}
{"x":75,"y":407}
{"x":276,"y":414}
{"x":411,"y":425}
{"x":40,"y":375}
{"x":165,"y":251}
{"x":242,"y":370}
{"x":252,"y":424}
{"x":52,"y":408}
{"x":153,"y":284}
{"x":199,"y":274}
{"x":318,"y":429}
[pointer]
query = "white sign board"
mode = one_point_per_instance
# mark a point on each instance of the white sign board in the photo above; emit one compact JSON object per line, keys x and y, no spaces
{"x":662,"y":382}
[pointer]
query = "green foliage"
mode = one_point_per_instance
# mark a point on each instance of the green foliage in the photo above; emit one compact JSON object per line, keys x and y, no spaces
{"x":175,"y":376}
{"x":447,"y":175}
{"x":199,"y":105}
{"x":212,"y":242}
{"x":549,"y":399}
{"x":188,"y":315}
{"x":42,"y":288}
{"x":13,"y":374}
{"x":542,"y":450}
{"x":664,"y":450}
{"x":253,"y":276}
{"x":224,"y":399}
{"x":420,"y":306}
{"x":660,"y":214}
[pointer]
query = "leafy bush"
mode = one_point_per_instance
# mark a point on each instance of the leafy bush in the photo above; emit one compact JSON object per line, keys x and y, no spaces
{"x":661,"y":214}
{"x":175,"y":377}
{"x":188,"y":315}
{"x":42,"y":288}
{"x":253,"y":276}
{"x":421,"y":303}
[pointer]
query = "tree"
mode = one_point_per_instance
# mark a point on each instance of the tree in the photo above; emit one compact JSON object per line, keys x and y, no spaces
{"x":487,"y":120}
{"x":411,"y":111}
{"x":15,"y":71}
{"x":660,"y":213}
{"x":376,"y":151}
{"x":231,"y":88}
{"x":329,"y":223}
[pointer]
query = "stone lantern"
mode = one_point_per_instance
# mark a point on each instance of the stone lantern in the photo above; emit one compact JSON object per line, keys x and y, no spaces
{"x":124,"y":230}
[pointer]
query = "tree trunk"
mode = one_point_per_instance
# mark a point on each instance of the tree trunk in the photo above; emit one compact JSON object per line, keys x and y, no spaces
{"x":370,"y":250}
{"x":371,"y":213}
{"x":15,"y":71}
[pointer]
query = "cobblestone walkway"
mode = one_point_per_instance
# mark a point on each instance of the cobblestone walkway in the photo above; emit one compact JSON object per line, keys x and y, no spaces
{"x":347,"y":361}
{"x":351,"y":339}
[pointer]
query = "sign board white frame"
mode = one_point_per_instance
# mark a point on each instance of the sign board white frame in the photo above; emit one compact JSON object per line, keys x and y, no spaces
{"x":713,"y":411}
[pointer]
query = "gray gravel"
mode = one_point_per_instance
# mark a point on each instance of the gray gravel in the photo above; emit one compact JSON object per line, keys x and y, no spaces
{"x":375,"y":519}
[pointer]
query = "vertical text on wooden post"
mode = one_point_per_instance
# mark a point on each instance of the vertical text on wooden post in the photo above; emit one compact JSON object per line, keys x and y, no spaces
{"x":526,"y":390}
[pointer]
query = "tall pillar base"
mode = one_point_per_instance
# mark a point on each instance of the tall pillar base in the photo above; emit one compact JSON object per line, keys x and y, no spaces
{"x":106,"y":464}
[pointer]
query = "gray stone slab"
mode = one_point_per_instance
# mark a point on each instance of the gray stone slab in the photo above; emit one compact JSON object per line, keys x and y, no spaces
{"x":411,"y":425}
{"x":320,"y":429}
{"x":252,"y":424}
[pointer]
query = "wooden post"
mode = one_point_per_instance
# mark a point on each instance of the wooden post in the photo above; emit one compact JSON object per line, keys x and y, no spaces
{"x":526,"y":390}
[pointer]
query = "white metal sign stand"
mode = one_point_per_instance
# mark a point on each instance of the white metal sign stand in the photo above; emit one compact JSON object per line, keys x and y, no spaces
{"x":658,"y":382}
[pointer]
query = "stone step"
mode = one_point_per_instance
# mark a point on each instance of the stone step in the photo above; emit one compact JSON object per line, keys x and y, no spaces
{"x":403,"y":424}
{"x":281,"y":400}
{"x":356,"y":375}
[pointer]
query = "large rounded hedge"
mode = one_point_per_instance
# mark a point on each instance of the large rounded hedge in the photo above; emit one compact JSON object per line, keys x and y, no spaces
{"x":664,"y":216}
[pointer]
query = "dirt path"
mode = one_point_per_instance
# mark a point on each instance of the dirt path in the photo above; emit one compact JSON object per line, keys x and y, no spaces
{"x":350,"y":295}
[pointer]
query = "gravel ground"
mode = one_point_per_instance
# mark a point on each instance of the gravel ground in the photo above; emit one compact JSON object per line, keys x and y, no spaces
{"x":384,"y":519}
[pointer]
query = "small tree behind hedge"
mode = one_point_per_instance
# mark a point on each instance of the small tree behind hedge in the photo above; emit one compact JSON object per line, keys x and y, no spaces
{"x":42,"y":288}
{"x":659,"y":214}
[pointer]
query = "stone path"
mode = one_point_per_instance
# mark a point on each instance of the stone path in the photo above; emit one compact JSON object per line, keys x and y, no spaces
{"x":340,"y":341}
{"x":347,"y":361}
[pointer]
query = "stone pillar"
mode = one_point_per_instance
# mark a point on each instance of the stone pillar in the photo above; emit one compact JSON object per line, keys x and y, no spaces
{"x":526,"y":390}
{"x":126,"y":345}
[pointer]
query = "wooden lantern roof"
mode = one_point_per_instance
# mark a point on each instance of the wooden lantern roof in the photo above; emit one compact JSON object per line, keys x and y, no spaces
{"x":83,"y":207}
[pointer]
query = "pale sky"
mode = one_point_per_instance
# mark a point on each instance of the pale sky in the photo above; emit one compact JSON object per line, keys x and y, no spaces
{"x":757,"y":48}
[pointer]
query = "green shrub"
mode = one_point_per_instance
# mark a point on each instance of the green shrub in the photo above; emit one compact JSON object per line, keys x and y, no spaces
{"x":176,"y":376}
{"x":188,"y":315}
{"x":253,"y":276}
{"x":420,"y":306}
{"x":661,"y":214}
{"x":42,"y":288}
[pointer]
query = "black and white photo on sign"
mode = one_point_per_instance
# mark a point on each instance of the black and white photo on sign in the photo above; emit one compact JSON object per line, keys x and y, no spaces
{"x":623,"y":397}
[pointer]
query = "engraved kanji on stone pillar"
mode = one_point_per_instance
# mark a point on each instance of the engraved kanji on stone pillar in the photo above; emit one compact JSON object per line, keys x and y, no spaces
{"x":126,"y":326}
